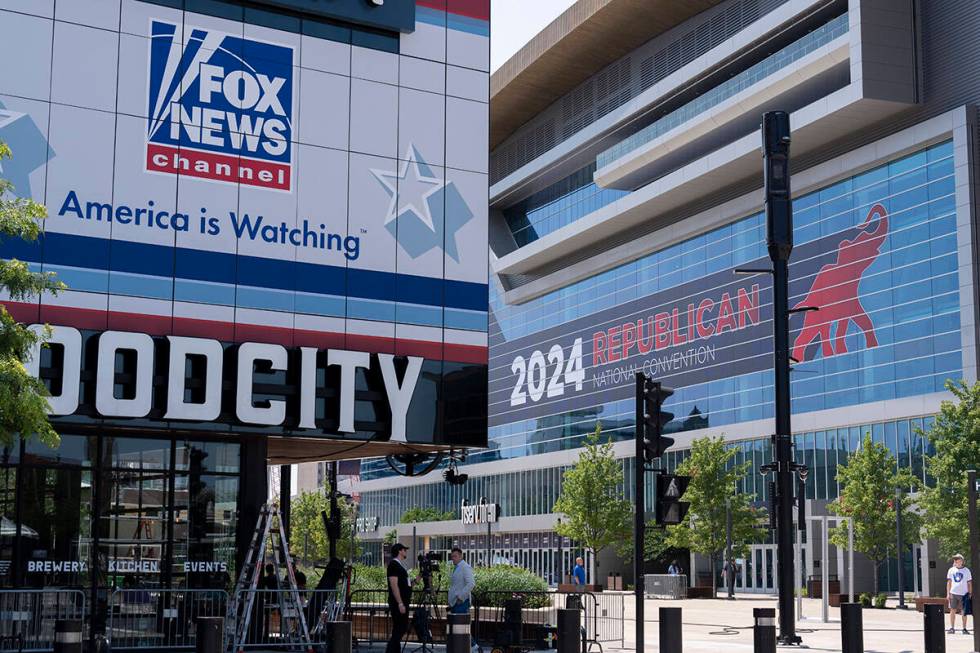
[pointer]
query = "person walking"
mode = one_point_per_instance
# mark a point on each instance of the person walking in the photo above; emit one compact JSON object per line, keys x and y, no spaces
{"x":461,"y":583}
{"x":399,"y":596}
{"x":674,"y":569}
{"x":959,"y":585}
{"x":578,"y":573}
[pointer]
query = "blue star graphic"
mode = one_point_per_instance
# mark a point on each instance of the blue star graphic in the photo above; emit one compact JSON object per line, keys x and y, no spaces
{"x":432,"y":210}
{"x":28,"y":147}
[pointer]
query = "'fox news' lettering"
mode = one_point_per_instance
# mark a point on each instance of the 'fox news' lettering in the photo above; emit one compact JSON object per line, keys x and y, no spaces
{"x":219,"y":107}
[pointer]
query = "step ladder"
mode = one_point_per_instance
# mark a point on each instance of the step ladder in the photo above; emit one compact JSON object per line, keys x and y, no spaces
{"x":293,"y":629}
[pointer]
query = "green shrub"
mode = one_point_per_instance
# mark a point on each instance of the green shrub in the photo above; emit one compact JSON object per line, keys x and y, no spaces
{"x":865,"y":600}
{"x":493,"y":586}
{"x":502,"y":582}
{"x":880,"y":600}
{"x":368,"y":577}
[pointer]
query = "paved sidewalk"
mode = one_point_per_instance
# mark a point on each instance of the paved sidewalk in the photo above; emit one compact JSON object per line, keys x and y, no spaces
{"x":722,"y":625}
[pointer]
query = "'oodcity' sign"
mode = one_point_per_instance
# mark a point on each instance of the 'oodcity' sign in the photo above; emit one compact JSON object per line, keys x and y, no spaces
{"x":132,"y":375}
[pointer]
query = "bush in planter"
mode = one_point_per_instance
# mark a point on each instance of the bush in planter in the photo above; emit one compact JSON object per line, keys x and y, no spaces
{"x":865,"y":600}
{"x":368,"y":577}
{"x":493,"y":586}
{"x":880,"y":600}
{"x":501,"y":582}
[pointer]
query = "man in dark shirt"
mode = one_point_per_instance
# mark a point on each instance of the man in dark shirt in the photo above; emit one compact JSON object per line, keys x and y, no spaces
{"x":399,"y":596}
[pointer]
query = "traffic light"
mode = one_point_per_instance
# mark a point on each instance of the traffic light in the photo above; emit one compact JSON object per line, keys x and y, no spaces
{"x":670,"y":508}
{"x":654,"y":420}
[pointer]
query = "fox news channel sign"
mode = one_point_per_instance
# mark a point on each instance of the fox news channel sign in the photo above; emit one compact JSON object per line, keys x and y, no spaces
{"x":219,"y":115}
{"x":227,"y":259}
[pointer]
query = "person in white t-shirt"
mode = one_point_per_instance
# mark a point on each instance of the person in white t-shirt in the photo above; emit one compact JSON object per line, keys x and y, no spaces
{"x":959,"y":584}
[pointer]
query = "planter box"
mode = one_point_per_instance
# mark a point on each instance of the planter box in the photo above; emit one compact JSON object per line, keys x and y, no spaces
{"x":930,"y":600}
{"x":699,"y":593}
{"x":814,"y":587}
{"x":568,"y":588}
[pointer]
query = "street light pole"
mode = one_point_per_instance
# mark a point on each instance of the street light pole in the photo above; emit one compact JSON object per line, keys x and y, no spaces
{"x":898,"y":549}
{"x":729,"y":566}
{"x":639,"y":525}
{"x":561,"y":563}
{"x":779,"y":238}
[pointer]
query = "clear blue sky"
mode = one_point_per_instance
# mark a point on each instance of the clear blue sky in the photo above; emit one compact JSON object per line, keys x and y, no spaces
{"x":514,"y":22}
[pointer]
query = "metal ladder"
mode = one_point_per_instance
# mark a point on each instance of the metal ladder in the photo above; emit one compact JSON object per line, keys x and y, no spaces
{"x":292,"y":618}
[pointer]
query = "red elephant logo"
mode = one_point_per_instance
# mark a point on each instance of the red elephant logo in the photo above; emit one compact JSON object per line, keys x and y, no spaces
{"x":835,"y":291}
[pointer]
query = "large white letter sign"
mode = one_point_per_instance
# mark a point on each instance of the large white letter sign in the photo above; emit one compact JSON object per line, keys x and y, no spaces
{"x":70,"y":339}
{"x":249,"y":352}
{"x":399,"y":397}
{"x":180,"y":349}
{"x":106,"y":402}
{"x":307,"y":388}
{"x":348,"y":361}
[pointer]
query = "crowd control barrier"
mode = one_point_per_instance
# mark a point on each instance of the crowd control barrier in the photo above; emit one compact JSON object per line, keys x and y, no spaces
{"x":28,"y":617}
{"x":663,"y":586}
{"x":160,"y":619}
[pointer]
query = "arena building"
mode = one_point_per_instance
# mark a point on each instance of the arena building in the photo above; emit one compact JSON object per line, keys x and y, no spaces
{"x":626,"y":188}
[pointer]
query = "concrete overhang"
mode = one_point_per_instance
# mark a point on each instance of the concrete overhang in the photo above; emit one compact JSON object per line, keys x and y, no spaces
{"x":584,"y":39}
{"x":629,"y":169}
{"x":832,"y":117}
{"x":288,"y":451}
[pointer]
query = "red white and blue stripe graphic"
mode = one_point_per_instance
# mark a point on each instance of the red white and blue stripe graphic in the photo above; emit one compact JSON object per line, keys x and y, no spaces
{"x":471,"y":16}
{"x":173,"y":290}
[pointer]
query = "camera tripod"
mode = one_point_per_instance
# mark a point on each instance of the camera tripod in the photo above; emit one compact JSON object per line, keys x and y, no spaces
{"x":421,"y":617}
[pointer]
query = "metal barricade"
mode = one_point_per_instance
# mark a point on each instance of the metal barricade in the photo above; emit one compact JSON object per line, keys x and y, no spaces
{"x":370,"y":619}
{"x":27,"y":617}
{"x":603,"y":618}
{"x":663,"y":586}
{"x":602,"y":621}
{"x":160,"y":619}
{"x":272,"y":625}
{"x":606,"y":621}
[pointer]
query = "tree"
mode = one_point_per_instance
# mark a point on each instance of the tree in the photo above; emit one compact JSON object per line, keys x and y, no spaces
{"x":23,"y":403}
{"x":869,"y":482}
{"x":418,"y":514}
{"x":955,"y":436}
{"x":596,"y":512}
{"x":655,"y":545}
{"x":308,"y":535}
{"x":713,"y":479}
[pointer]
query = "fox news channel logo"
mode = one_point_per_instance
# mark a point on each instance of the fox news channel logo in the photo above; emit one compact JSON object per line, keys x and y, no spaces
{"x":220,"y":107}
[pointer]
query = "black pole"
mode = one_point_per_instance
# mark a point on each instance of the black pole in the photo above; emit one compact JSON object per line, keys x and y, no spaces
{"x":671,"y":633}
{"x":779,"y":238}
{"x":638,"y":515}
{"x":561,"y":563}
{"x":285,"y":495}
{"x":729,"y":566}
{"x":851,"y":628}
{"x":333,"y":533}
{"x":898,"y":549}
{"x":933,"y":628}
{"x":974,"y":539}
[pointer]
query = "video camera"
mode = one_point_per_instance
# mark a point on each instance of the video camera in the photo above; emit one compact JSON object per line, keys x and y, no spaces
{"x":429,"y":563}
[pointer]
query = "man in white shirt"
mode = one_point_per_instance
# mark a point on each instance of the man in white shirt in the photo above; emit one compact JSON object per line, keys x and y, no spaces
{"x":461,"y":583}
{"x":959,"y":584}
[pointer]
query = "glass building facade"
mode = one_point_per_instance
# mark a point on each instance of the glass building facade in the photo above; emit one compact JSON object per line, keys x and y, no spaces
{"x":535,"y":491}
{"x":909,"y":291}
{"x":104,"y":512}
